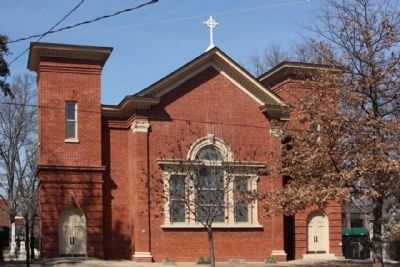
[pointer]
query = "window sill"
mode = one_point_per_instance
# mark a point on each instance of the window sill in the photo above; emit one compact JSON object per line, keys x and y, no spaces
{"x":215,"y":226}
{"x":74,"y":141}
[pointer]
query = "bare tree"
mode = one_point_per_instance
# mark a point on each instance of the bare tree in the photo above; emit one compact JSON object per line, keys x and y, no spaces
{"x":28,"y":196}
{"x":272,"y":56}
{"x":355,"y":149}
{"x":17,"y":139}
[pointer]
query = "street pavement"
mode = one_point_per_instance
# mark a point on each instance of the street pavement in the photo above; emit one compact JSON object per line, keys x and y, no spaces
{"x":90,"y":262}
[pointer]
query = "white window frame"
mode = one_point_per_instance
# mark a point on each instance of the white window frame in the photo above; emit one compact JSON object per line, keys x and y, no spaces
{"x":75,"y":138}
{"x":170,"y":170}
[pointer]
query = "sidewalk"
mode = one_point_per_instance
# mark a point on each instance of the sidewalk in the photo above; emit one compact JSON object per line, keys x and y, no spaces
{"x":90,"y":262}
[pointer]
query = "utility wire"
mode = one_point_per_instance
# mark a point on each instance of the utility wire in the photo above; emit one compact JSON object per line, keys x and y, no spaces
{"x":45,"y":33}
{"x":85,"y":22}
{"x":149,"y":117}
{"x":177,"y":19}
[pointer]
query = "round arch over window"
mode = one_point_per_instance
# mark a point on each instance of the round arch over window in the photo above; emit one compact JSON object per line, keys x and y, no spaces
{"x":210,"y":148}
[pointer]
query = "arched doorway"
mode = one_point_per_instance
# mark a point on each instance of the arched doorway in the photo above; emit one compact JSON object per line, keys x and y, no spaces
{"x":72,"y":233}
{"x":317,"y":233}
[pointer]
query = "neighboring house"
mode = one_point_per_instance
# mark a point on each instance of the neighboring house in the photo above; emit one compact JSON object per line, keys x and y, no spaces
{"x":358,"y":222}
{"x":356,"y":232}
{"x":97,"y":162}
{"x":4,"y":226}
{"x":4,"y":217}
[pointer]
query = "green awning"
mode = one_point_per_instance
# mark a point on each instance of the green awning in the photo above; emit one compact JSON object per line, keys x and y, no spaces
{"x":355,"y":231}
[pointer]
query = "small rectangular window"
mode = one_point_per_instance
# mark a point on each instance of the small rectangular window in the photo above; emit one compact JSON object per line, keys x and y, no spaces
{"x":71,"y":126}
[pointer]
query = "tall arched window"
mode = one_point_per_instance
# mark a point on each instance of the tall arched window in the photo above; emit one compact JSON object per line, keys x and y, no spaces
{"x":209,"y":187}
{"x":206,"y":187}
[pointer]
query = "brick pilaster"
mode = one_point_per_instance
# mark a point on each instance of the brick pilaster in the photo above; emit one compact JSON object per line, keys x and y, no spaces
{"x":140,"y":180}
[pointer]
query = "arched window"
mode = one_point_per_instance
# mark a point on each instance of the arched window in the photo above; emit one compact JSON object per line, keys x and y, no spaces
{"x":209,"y":152}
{"x":206,"y":187}
{"x":210,"y":202}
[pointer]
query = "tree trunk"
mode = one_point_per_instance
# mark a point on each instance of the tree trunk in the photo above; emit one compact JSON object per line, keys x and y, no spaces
{"x":377,"y":233}
{"x":211,"y":246}
{"x":32,"y":239}
{"x":2,"y":237}
{"x":27,"y":242}
{"x":12,"y":237}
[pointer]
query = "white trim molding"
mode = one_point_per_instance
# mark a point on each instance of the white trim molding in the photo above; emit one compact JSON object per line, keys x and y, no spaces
{"x":210,"y":139}
{"x":140,"y":126}
{"x":231,"y":170}
{"x":142,"y":254}
{"x":215,"y":225}
{"x":275,"y":132}
{"x":278,"y":253}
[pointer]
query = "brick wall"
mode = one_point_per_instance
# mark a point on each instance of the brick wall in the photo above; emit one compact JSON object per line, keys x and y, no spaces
{"x":65,"y":189}
{"x":69,"y":80}
{"x":333,"y":211}
{"x":4,"y":217}
{"x":70,"y":173}
{"x":236,"y":118}
{"x":121,"y":218}
{"x":292,"y":90}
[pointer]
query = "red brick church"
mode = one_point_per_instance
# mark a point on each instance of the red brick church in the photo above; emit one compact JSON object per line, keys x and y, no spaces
{"x":100,"y":165}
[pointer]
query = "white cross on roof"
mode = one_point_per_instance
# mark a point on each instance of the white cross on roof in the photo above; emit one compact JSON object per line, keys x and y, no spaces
{"x":211,"y":23}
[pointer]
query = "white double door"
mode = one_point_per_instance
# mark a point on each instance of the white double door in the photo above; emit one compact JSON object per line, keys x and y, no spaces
{"x":318,"y":233}
{"x":72,"y":234}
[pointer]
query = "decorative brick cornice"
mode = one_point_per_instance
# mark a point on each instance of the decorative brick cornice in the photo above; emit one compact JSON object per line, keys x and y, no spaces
{"x":94,"y":70}
{"x":66,"y":51}
{"x":55,"y":174}
{"x":56,"y":168}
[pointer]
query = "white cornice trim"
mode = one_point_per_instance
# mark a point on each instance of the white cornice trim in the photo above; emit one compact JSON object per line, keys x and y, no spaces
{"x":252,"y":80}
{"x":140,"y":126}
{"x":244,"y":81}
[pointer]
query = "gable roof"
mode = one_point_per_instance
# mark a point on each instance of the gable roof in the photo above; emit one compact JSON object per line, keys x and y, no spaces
{"x":217,"y":59}
{"x":268,"y":101}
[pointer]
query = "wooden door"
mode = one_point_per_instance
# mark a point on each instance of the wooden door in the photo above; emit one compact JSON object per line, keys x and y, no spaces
{"x":79,"y":240}
{"x":72,"y":233}
{"x":65,"y":244}
{"x":318,"y":239}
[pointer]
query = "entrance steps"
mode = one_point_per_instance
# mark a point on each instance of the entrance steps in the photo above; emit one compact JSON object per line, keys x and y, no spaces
{"x":319,"y":256}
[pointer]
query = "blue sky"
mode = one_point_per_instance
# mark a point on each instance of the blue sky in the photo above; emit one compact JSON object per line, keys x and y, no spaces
{"x":152,"y":42}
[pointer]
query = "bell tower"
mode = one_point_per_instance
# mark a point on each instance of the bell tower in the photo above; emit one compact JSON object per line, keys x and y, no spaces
{"x":70,"y":166}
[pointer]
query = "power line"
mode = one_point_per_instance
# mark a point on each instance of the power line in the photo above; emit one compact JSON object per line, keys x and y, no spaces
{"x":149,"y":117}
{"x":177,"y":19}
{"x":45,"y":33}
{"x":86,"y":22}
